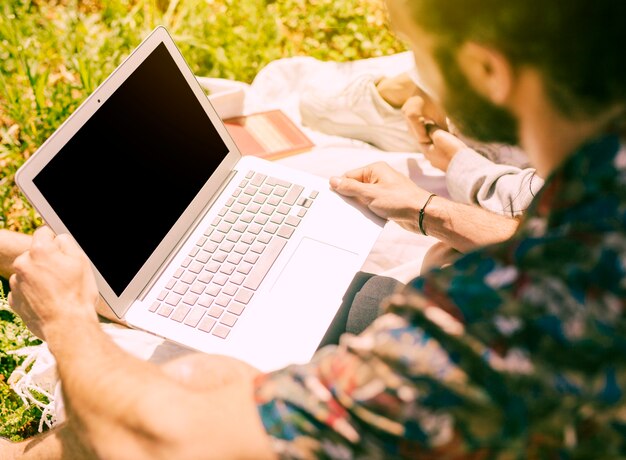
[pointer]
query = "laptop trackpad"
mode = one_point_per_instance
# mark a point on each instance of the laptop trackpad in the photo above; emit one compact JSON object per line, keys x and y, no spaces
{"x":306,"y":281}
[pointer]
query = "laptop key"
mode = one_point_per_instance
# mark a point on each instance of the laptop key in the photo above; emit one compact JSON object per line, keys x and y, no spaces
{"x":203,"y":257}
{"x":206,"y":324}
{"x":188,"y":277}
{"x":264,"y":263}
{"x":212,"y":267}
{"x":172,"y":299}
{"x":195,"y":267}
{"x":220,"y":279}
{"x":236,"y":308}
{"x":251,"y":258}
{"x":244,"y":199}
{"x":222,"y":301}
{"x":195,"y":316}
{"x":180,"y":313}
{"x":258,"y":179}
{"x":237,"y":278}
{"x":205,"y":300}
{"x":292,"y":220}
{"x":230,"y":289}
{"x":198,"y":288}
{"x":244,"y":296}
{"x":221,"y":331}
{"x":229,"y":319}
{"x":293,"y":194}
{"x":244,"y":268}
{"x":273,"y":200}
{"x":190,"y":298}
{"x":205,"y":277}
{"x":165,"y":310}
{"x":181,"y":288}
{"x":284,"y":209}
{"x":286,"y":231}
{"x":215,"y":311}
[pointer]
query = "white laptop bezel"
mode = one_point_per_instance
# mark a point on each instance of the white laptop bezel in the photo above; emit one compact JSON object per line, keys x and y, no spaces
{"x":29,"y":170}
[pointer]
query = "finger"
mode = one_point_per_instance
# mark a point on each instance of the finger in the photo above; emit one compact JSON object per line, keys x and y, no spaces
{"x":413,"y":107}
{"x":446,"y":142}
{"x":44,"y":232}
{"x":42,"y":237}
{"x":13,"y":285}
{"x":368,"y":174}
{"x":348,"y":187}
{"x":414,"y":115}
{"x":13,"y":282}
{"x":68,"y":245}
{"x":359,"y":174}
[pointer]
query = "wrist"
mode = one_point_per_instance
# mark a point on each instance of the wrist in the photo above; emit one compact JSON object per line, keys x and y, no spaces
{"x":62,"y":330}
{"x":433,"y":218}
{"x":422,"y":214}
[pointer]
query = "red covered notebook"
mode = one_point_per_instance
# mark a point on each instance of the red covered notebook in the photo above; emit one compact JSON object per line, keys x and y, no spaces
{"x":270,"y":135}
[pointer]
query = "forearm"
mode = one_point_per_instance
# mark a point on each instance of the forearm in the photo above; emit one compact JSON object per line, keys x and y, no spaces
{"x":111,"y":393}
{"x":500,"y":188}
{"x":465,"y":227}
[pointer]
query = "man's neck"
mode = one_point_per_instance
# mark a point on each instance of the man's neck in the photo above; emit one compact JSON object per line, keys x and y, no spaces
{"x":547,"y":136}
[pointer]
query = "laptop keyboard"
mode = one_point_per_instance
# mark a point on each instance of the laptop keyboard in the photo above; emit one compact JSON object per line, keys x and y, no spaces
{"x":220,"y":275}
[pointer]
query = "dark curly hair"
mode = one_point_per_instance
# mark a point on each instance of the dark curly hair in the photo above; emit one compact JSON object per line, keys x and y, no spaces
{"x":578,"y":45}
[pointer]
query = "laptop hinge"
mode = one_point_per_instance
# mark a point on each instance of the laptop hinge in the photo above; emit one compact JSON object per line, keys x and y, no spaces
{"x":186,"y":235}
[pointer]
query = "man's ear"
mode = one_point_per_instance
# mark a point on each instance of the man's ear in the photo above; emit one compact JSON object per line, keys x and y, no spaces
{"x":489,"y":72}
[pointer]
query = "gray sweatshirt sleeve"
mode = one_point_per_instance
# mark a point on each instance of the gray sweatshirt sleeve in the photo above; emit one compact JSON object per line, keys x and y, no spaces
{"x":473,"y":179}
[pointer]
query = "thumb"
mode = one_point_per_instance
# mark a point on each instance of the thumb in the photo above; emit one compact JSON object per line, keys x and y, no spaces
{"x":347,"y":187}
{"x":446,"y":142}
{"x":68,"y":245}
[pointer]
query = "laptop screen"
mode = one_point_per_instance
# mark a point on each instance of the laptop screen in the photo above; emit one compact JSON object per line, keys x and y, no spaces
{"x":125,"y":178}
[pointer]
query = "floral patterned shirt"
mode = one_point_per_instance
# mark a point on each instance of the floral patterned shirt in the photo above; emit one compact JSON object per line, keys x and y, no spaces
{"x":535,"y":369}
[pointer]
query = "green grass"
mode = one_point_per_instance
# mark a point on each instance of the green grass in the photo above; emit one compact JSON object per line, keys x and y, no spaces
{"x":16,"y":420}
{"x":53,"y":54}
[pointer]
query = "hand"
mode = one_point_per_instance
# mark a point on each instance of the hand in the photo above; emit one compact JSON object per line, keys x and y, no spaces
{"x":430,"y":126}
{"x":421,"y":111}
{"x":385,"y":191}
{"x":442,"y":148}
{"x":53,"y":283}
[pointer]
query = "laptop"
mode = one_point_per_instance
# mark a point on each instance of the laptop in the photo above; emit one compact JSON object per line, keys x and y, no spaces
{"x":188,"y":239}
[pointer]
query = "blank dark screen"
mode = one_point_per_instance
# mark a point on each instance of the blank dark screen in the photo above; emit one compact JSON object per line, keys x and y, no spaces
{"x":129,"y":173}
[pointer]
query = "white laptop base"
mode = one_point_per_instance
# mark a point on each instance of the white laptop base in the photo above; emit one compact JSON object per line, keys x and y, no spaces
{"x":290,"y":312}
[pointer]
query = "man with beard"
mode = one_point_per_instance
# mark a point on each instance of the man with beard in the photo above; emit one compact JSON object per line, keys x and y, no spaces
{"x":514,"y":351}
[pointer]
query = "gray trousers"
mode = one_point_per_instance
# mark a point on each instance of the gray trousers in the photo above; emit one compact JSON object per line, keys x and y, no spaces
{"x":361,"y":305}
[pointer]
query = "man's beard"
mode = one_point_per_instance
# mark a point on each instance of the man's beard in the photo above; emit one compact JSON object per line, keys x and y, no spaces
{"x":473,"y":115}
